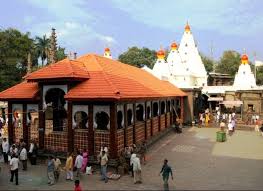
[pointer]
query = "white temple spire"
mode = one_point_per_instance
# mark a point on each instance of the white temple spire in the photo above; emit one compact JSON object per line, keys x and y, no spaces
{"x":107,"y":53}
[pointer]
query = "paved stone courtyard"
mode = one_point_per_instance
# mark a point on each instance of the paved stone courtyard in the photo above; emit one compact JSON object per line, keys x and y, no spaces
{"x":198,"y":161}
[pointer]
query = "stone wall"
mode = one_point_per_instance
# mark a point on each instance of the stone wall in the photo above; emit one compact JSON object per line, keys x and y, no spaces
{"x":140,"y":132}
{"x":81,"y":139}
{"x":162,"y":121}
{"x":155,"y":125}
{"x":168,"y":119}
{"x":148,"y":123}
{"x":101,"y":138}
{"x":120,"y":140}
{"x":55,"y":141}
{"x":129,"y":135}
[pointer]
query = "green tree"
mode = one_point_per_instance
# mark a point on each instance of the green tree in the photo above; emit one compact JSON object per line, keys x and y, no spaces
{"x":229,"y":62}
{"x":259,"y":75}
{"x":208,"y":62}
{"x":14,"y":48}
{"x":60,"y":54}
{"x":138,"y":57}
{"x":42,"y":47}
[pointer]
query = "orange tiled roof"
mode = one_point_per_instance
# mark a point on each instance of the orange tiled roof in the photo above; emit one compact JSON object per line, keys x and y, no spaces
{"x":105,"y":79}
{"x":65,"y":69}
{"x":24,"y":90}
{"x":112,"y":79}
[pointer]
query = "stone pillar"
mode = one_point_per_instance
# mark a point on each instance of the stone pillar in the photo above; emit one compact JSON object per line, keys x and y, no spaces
{"x":182,"y":108}
{"x":10,"y":124}
{"x":41,"y":127}
{"x":134,"y":122}
{"x":70,"y":129}
{"x":91,"y":131}
{"x":125,"y":124}
{"x":159,"y":116}
{"x":151,"y":118}
{"x":113,"y":131}
{"x":25,"y":126}
{"x":145,"y":120}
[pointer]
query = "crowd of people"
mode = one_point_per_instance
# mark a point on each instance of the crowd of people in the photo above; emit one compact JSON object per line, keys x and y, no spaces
{"x":77,"y":162}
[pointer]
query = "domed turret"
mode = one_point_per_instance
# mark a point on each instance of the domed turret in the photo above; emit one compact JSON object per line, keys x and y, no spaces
{"x":107,"y":53}
{"x":244,"y":59}
{"x":160,"y":55}
{"x":187,"y":27}
{"x":174,"y":46}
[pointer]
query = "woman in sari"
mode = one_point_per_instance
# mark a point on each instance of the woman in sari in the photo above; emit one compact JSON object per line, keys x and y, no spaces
{"x":85,"y":156}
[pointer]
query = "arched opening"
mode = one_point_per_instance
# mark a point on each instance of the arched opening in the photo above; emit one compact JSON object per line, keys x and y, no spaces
{"x":81,"y":119}
{"x":139,"y":112}
{"x":29,"y":116}
{"x":148,"y":112}
{"x":155,"y":109}
{"x":119,"y":119}
{"x":129,"y":117}
{"x":102,"y":119}
{"x":162,"y":107}
{"x":55,"y":108}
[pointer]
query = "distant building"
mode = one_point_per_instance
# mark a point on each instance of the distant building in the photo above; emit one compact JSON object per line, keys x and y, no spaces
{"x":219,"y":79}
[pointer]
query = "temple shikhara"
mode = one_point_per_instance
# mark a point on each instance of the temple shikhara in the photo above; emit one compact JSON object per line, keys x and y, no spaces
{"x":88,"y":102}
{"x":185,"y":69}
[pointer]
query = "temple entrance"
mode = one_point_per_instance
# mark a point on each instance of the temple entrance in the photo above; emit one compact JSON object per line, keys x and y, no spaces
{"x":55,"y":108}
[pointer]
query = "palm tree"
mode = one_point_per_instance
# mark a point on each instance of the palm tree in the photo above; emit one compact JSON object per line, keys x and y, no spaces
{"x":42,"y":46}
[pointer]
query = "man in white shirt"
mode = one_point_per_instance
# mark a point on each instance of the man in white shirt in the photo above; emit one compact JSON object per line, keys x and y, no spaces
{"x":14,"y":168}
{"x":23,"y":157}
{"x":5,"y":146}
{"x":137,"y":170}
{"x":78,"y":163}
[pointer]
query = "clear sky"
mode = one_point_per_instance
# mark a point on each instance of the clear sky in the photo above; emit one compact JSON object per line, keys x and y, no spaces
{"x":85,"y":26}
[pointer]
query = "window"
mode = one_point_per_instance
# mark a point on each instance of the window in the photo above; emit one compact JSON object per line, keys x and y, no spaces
{"x":102,"y":119}
{"x":119,"y":119}
{"x":155,"y":109}
{"x":81,"y":119}
{"x":148,"y":112}
{"x":162,"y":107}
{"x":55,"y":108}
{"x":250,"y":107}
{"x":129,"y":117}
{"x":139,"y":112}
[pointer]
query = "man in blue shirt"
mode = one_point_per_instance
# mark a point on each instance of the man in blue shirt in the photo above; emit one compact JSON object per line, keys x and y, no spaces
{"x":166,"y":171}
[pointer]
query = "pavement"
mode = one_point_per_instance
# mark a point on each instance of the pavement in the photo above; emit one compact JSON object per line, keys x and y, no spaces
{"x":197,"y":160}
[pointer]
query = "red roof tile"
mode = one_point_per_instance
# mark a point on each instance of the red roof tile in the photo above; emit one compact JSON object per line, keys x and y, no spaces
{"x":23,"y":91}
{"x":112,"y":79}
{"x":65,"y":69}
{"x":103,"y":78}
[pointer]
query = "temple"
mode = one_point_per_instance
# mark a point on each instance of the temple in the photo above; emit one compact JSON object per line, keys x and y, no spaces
{"x":88,"y":102}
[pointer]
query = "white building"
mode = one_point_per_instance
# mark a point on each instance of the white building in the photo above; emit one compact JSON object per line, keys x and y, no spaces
{"x":184,"y":66}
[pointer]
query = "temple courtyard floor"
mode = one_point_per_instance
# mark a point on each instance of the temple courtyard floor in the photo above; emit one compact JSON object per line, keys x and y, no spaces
{"x":197,"y":160}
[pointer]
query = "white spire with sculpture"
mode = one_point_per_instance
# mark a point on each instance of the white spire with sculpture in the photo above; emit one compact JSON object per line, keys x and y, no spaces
{"x":191,"y":58}
{"x":244,"y":78}
{"x":161,"y":68}
{"x":107,"y":53}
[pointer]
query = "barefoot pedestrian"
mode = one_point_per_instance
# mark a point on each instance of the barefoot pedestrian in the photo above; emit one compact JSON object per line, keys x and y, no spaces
{"x":50,"y":170}
{"x":69,"y":167}
{"x":77,"y":186}
{"x":166,"y":171}
{"x":14,"y":168}
{"x":23,"y":156}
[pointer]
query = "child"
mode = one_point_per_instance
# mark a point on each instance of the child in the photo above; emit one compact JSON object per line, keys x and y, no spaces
{"x":77,"y":186}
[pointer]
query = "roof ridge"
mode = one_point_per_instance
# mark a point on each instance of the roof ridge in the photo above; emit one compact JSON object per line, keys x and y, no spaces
{"x":117,"y":91}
